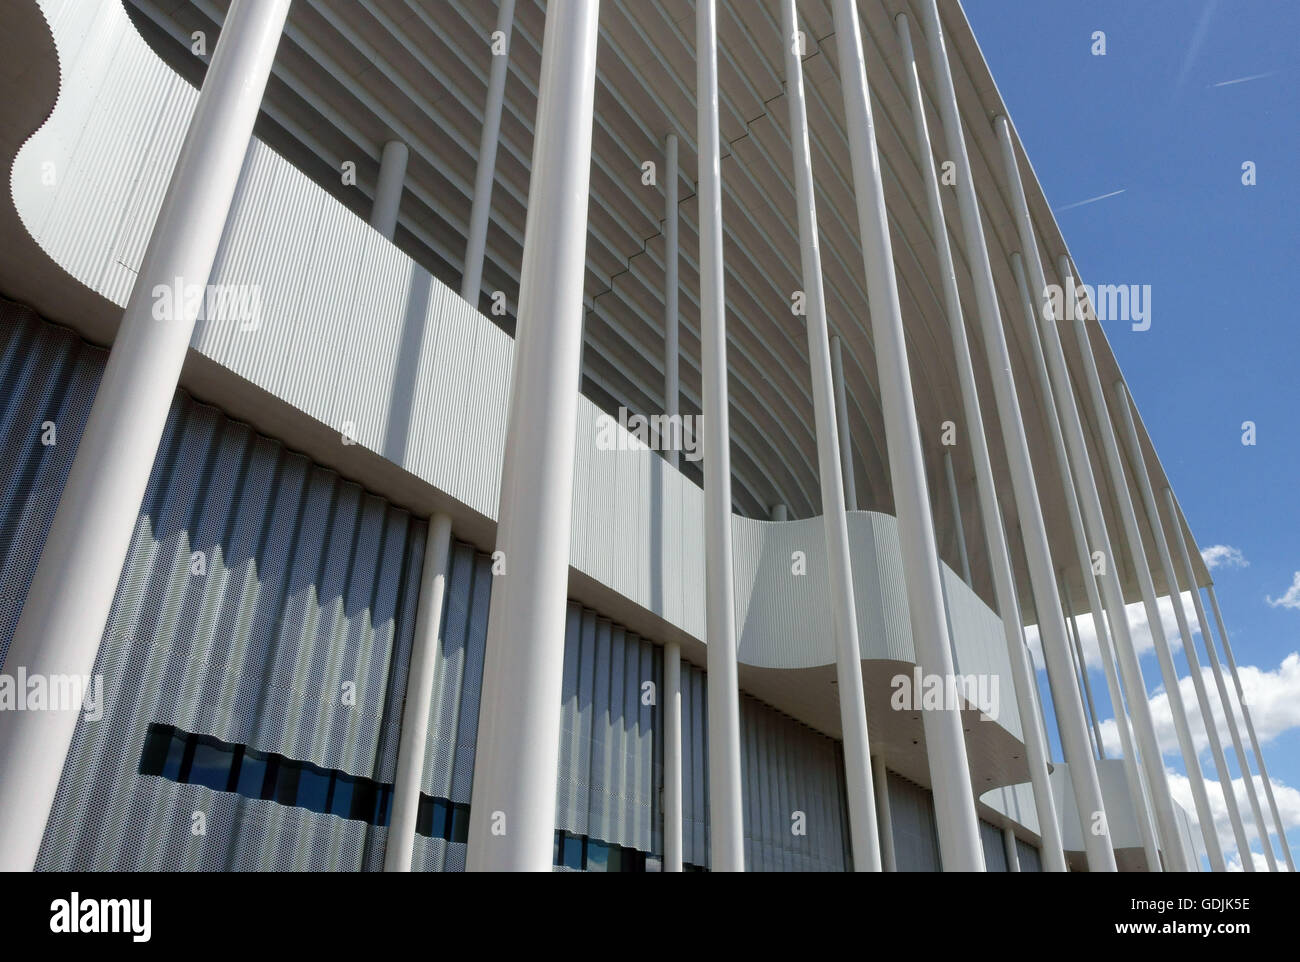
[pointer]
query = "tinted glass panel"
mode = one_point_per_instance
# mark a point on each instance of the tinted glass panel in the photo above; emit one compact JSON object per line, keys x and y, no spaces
{"x":211,"y":764}
{"x":252,"y":774}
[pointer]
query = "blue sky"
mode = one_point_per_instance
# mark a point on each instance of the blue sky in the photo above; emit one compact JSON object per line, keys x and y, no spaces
{"x":1157,"y":119}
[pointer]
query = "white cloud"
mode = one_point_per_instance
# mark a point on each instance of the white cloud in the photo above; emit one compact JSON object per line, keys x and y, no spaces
{"x":1291,"y":599}
{"x":1273,"y":698}
{"x":1223,"y":556}
{"x":1274,"y":701}
{"x":1288,"y":805}
{"x":1139,"y":628}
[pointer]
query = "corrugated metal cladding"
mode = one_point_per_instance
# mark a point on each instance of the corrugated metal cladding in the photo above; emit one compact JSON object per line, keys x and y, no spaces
{"x":268,"y":603}
{"x":995,"y":850}
{"x":264,"y":602}
{"x":1030,"y":860}
{"x":793,"y":786}
{"x":916,"y":835}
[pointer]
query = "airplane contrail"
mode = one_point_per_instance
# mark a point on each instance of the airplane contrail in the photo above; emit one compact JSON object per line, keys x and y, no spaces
{"x":1242,"y":80}
{"x":1091,"y":200}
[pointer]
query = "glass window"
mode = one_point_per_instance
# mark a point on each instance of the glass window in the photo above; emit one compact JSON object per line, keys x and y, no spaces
{"x":460,"y":823}
{"x":210,"y":766}
{"x":341,"y":803}
{"x":363,"y":800}
{"x":573,"y":851}
{"x":601,"y":857}
{"x":313,"y":788}
{"x":286,"y":781}
{"x":157,"y":749}
{"x":439,"y":818}
{"x":252,"y":774}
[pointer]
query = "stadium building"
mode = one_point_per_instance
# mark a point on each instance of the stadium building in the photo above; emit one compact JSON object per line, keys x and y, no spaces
{"x":623,"y":436}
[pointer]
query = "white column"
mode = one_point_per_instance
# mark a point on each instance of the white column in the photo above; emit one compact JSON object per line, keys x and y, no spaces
{"x":1013,"y":853}
{"x":512,"y":813}
{"x":1217,"y":671}
{"x":672,"y":391}
{"x":1098,"y":539}
{"x":672,"y":802}
{"x":67,"y":606}
{"x":1139,"y":793}
{"x":954,"y":801}
{"x":1051,"y":623}
{"x":388,"y":191}
{"x":844,"y":617}
{"x":1138,"y":468}
{"x":1132,"y":536}
{"x":884,"y":816}
{"x":726,"y":812}
{"x":476,"y":243}
{"x":1004,"y":584}
{"x":842,"y":422}
{"x":956,"y":501}
{"x":1250,"y":731}
{"x":419,"y":696}
{"x":1083,"y":664}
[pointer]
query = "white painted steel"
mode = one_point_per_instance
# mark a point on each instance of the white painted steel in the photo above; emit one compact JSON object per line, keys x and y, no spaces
{"x":512,"y":813}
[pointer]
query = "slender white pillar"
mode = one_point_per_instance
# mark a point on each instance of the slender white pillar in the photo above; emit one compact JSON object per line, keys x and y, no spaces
{"x":1013,"y":853}
{"x":1051,"y":623}
{"x":1004,"y":583}
{"x":476,"y":242}
{"x":672,"y":802}
{"x":955,"y":501}
{"x":67,"y":606}
{"x":844,"y":617}
{"x":1250,"y":731}
{"x":1138,"y":468}
{"x":884,"y":815}
{"x":1133,"y":761}
{"x":842,"y":422}
{"x":388,"y":191}
{"x":512,"y":812}
{"x":954,"y":801}
{"x":1217,"y":671}
{"x":672,"y":391}
{"x":1083,"y":665}
{"x":1132,"y":537}
{"x":1078,"y":675}
{"x":1098,"y":539}
{"x":419,"y":696}
{"x":726,"y":812}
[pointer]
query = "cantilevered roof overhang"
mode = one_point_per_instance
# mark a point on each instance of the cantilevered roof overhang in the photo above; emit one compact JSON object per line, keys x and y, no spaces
{"x":352,"y":74}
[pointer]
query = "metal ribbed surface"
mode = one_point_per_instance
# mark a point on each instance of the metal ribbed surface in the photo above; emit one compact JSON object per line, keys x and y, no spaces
{"x":995,"y":849}
{"x":916,"y":836}
{"x":1030,"y":859}
{"x":307,"y":594}
{"x":786,"y":768}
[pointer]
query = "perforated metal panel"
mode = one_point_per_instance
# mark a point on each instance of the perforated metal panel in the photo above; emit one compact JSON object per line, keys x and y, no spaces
{"x":995,"y":849}
{"x":264,"y":601}
{"x":1030,"y":859}
{"x":916,"y":836}
{"x":792,"y":782}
